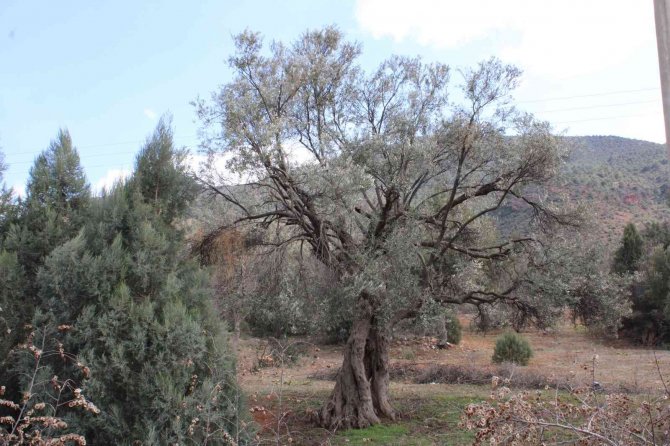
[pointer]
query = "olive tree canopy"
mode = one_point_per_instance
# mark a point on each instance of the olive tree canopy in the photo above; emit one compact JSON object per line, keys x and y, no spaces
{"x":396,"y":189}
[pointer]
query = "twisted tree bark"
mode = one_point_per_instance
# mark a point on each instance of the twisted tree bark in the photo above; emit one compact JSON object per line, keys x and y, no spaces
{"x":360,"y":397}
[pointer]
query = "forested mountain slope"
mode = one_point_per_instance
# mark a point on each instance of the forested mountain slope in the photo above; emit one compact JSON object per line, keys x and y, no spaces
{"x":619,"y":180}
{"x":615,"y":180}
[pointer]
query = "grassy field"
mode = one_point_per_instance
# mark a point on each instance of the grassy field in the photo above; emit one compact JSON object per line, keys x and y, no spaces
{"x":282,"y":399}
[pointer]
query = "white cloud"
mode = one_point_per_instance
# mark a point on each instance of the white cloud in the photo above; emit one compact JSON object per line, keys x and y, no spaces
{"x":112,"y":177}
{"x":219,"y":172}
{"x":297,"y":153}
{"x":216,"y":168}
{"x":149,"y":113}
{"x":556,"y":38}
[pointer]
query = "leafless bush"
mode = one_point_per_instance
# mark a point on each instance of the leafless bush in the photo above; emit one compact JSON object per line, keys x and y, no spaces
{"x":276,"y":353}
{"x":36,"y":418}
{"x":278,"y":421}
{"x":582,"y":416}
{"x":457,"y":374}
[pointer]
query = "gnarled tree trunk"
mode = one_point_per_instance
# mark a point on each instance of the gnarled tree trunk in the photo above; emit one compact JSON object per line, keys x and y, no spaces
{"x":360,"y":397}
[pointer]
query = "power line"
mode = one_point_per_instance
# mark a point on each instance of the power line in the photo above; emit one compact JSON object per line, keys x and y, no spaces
{"x":37,"y":151}
{"x":606,"y":118}
{"x":597,"y":106}
{"x":95,"y":146}
{"x":610,"y":93}
{"x":81,"y":157}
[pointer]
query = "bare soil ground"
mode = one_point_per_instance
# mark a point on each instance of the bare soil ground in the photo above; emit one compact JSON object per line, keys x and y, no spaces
{"x":281,"y":399}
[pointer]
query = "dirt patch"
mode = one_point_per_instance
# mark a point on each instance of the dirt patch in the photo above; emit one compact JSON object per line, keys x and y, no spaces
{"x":564,"y":356}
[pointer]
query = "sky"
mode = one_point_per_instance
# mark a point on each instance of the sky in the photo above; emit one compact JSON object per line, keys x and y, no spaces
{"x":107,"y":70}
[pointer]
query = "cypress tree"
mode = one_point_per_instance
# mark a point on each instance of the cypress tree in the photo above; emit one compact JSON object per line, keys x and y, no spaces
{"x":141,"y":310}
{"x":52,"y":213}
{"x":7,"y":210}
{"x":649,"y":322}
{"x":13,"y":310}
{"x":57,"y":180}
{"x":57,"y":197}
{"x":627,"y":257}
{"x":160,"y":174}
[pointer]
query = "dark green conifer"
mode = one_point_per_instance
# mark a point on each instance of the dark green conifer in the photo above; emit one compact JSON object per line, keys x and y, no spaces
{"x":649,"y":322}
{"x":57,"y":197}
{"x":13,"y":310}
{"x":7,"y":209}
{"x":627,"y":257}
{"x":141,"y":308}
{"x":160,"y":174}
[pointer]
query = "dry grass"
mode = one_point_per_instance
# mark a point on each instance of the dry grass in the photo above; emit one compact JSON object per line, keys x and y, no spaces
{"x":565,"y":355}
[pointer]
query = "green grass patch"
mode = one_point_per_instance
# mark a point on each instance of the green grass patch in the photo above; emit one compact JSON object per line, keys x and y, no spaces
{"x":435,"y":420}
{"x":422,"y":422}
{"x":380,"y":434}
{"x":427,"y":415}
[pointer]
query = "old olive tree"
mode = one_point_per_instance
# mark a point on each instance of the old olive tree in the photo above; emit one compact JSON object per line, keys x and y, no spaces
{"x":399,"y":193}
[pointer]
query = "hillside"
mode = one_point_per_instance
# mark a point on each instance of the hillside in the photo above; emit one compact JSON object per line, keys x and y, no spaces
{"x":615,"y":180}
{"x":619,"y":180}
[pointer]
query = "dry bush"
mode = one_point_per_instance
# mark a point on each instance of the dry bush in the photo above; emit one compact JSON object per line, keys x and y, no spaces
{"x":458,"y":374}
{"x":36,"y":417}
{"x":583,"y":416}
{"x":461,"y":374}
{"x":277,"y":353}
{"x":454,"y":374}
{"x":397,"y":372}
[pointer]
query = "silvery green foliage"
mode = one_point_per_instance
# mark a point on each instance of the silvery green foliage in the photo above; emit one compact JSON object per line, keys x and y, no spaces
{"x":567,"y":271}
{"x":294,"y":295}
{"x":602,"y":302}
{"x":398,"y":184}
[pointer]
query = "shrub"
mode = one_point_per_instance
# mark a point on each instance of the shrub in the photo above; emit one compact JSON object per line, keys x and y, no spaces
{"x":454,"y":329}
{"x":649,"y":321}
{"x":512,"y":347}
{"x":281,"y":314}
{"x":601,"y":302}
